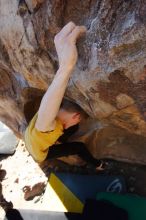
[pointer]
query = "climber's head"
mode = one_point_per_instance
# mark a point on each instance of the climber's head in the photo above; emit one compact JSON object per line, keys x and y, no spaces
{"x":70,"y":113}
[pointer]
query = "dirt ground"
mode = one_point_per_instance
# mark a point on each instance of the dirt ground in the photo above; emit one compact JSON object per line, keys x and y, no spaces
{"x":22,"y":173}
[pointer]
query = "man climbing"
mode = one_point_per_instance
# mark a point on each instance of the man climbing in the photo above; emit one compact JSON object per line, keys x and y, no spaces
{"x":54,"y":115}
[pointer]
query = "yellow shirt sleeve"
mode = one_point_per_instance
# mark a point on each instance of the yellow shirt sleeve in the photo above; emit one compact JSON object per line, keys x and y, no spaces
{"x":37,"y":142}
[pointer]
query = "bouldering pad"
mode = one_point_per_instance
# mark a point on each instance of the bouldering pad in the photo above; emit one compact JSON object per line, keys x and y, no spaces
{"x":8,"y":141}
{"x":45,"y":215}
{"x":134,"y":205}
{"x":68,"y":192}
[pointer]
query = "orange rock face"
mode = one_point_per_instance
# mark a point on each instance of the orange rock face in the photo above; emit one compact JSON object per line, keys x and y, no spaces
{"x":109,"y":81}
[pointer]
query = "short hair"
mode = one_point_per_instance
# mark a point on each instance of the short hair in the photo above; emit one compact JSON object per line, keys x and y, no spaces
{"x":73,"y":107}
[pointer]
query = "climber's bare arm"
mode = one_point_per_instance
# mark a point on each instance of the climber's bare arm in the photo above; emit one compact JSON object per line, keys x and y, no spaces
{"x":65,"y":43}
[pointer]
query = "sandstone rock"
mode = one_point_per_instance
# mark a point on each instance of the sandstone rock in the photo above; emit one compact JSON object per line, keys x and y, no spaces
{"x":109,"y":81}
{"x":3,"y":202}
{"x":73,"y":160}
{"x":36,"y":190}
{"x":2,"y":174}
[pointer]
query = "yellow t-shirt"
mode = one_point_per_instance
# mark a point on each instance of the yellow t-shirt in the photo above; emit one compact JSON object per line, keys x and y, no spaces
{"x":37,"y":142}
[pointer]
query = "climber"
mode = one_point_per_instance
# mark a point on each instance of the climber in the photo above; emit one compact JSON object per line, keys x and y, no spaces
{"x":55,"y":115}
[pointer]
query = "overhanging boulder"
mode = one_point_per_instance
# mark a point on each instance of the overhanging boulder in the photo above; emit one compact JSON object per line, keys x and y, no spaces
{"x":109,"y":81}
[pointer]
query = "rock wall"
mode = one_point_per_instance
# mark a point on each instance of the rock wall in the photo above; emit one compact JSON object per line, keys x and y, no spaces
{"x":109,"y":81}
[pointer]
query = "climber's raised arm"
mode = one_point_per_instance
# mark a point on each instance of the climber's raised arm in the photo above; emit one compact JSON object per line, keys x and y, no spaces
{"x":65,"y":43}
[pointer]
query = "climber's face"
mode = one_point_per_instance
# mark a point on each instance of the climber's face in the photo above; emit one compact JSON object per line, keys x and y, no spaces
{"x":68,"y":119}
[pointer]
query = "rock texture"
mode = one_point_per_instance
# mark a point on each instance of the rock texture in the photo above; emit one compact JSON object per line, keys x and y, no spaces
{"x":109,"y":81}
